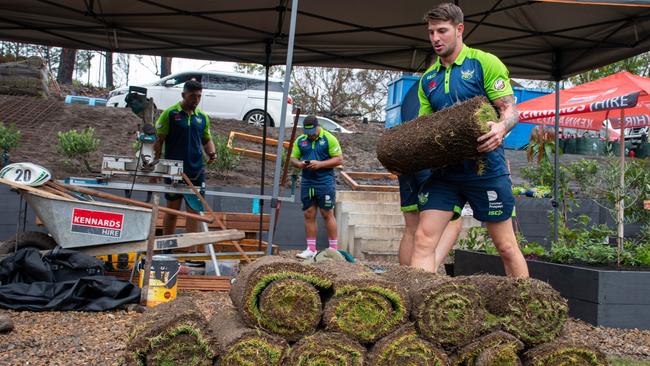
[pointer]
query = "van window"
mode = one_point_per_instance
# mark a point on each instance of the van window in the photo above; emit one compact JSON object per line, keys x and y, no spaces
{"x":180,"y":79}
{"x":274,"y":86}
{"x":222,"y":82}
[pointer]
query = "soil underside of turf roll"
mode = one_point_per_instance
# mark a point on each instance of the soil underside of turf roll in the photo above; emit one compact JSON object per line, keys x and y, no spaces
{"x":436,"y":140}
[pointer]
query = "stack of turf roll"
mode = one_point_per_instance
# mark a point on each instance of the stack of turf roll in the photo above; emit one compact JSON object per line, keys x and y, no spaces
{"x":173,"y":333}
{"x":405,"y":347}
{"x":564,"y":352}
{"x":238,"y":344}
{"x":446,"y":311}
{"x":291,"y":313}
{"x":363,"y":306}
{"x":529,"y":309}
{"x":327,"y":348}
{"x":280,"y":295}
{"x":436,"y":140}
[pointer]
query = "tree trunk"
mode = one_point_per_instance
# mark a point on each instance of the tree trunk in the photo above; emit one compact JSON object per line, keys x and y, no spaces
{"x":165,"y":66}
{"x":109,"y":70}
{"x":66,"y":66}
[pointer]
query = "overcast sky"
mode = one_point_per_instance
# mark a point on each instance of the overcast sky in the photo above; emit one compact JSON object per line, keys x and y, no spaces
{"x":143,"y":71}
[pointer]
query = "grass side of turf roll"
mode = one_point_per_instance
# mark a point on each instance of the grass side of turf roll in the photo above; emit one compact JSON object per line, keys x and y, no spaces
{"x":436,"y":140}
{"x":405,"y":347}
{"x":364,"y":306}
{"x":529,"y":309}
{"x":446,"y":311}
{"x":238,"y":344}
{"x":564,"y":352}
{"x":449,"y":312}
{"x":325,"y":349}
{"x":172,"y":333}
{"x":494,"y":349}
{"x":291,"y":307}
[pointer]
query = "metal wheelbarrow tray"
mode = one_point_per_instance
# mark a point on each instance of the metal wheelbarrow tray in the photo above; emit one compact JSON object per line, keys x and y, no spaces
{"x":99,"y":228}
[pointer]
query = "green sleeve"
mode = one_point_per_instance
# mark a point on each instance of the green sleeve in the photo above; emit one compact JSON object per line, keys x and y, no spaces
{"x":425,"y":105}
{"x":334,"y":146}
{"x":496,"y":79}
{"x":207,"y":135}
{"x":295,"y":152}
{"x":162,"y":124}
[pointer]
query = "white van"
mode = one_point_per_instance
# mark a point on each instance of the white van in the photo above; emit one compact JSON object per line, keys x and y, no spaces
{"x":225,"y":95}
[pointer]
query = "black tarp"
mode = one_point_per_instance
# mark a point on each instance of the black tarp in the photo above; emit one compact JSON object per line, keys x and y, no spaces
{"x":61,"y":280}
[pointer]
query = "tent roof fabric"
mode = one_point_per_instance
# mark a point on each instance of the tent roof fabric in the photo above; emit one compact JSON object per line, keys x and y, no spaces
{"x":536,"y":39}
{"x":587,"y":105}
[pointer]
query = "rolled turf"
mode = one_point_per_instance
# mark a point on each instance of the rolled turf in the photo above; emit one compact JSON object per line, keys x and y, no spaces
{"x":564,"y":353}
{"x":172,"y":333}
{"x":494,"y":349}
{"x":446,"y":311}
{"x":405,"y":347}
{"x":364,"y":306}
{"x":443,"y":138}
{"x":239,"y":345}
{"x":326,"y":348}
{"x":529,"y":309}
{"x":280,"y":295}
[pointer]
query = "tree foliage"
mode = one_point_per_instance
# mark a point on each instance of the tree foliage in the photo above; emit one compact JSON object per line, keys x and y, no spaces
{"x":341,"y":92}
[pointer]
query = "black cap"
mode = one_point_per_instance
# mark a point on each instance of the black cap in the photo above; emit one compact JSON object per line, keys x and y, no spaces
{"x":310,"y":124}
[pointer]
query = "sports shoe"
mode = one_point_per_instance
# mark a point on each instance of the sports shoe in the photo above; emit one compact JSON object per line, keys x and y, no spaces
{"x":306,"y":254}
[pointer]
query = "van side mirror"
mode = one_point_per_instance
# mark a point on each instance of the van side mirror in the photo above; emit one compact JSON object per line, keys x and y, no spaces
{"x":170,"y":82}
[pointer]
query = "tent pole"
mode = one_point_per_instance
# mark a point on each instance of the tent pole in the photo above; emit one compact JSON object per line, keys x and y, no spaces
{"x":620,"y":206}
{"x":556,"y":165}
{"x":283,"y":115}
{"x":264,"y":134}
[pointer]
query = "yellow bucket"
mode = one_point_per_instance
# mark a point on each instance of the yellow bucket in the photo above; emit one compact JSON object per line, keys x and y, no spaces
{"x":163,"y":279}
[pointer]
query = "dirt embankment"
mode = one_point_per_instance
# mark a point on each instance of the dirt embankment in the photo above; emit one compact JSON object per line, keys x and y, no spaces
{"x":116,"y":127}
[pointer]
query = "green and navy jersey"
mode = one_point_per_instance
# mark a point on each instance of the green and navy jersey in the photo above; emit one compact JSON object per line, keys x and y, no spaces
{"x":473,"y":73}
{"x":185,"y":136}
{"x":325,"y":147}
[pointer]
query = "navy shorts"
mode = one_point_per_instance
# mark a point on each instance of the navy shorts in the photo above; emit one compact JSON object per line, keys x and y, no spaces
{"x":491,"y":199}
{"x":409,"y":187}
{"x":324,"y":197}
{"x":191,"y":200}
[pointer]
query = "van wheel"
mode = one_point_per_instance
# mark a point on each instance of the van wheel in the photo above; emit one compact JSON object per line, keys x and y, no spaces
{"x":256,"y":118}
{"x":28,"y":239}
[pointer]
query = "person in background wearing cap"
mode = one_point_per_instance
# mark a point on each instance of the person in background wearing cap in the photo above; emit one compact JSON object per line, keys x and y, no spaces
{"x":317,"y":152}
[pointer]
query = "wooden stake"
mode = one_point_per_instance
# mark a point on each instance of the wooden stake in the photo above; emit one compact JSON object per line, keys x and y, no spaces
{"x":219,"y":222}
{"x":150,"y":242}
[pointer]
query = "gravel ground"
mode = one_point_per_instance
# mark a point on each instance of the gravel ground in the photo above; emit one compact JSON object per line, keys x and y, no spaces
{"x":77,"y":338}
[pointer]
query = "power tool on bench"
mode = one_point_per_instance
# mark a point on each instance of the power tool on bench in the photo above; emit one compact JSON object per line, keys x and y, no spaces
{"x":144,"y":163}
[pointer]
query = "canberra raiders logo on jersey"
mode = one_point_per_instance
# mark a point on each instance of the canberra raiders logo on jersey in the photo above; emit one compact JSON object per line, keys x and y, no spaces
{"x":466,"y":74}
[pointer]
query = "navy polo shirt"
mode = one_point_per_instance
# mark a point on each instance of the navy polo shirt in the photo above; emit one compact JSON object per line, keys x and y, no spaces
{"x":473,"y":73}
{"x":184,"y":136}
{"x":325,"y":147}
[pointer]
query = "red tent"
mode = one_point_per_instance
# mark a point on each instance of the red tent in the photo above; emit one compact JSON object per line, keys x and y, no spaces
{"x":586,"y":106}
{"x":621,"y":96}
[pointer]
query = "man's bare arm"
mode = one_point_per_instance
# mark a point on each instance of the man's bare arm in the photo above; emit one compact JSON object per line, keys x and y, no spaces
{"x":498,"y":130}
{"x":507,"y":111}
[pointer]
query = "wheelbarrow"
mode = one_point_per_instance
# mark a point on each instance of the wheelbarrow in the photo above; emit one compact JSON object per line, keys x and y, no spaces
{"x":100,"y":228}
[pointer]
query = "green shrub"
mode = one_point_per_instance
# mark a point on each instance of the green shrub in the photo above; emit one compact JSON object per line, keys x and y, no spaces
{"x":532,"y":248}
{"x":226,"y":160}
{"x":477,"y":239}
{"x":9,"y":137}
{"x":78,"y":146}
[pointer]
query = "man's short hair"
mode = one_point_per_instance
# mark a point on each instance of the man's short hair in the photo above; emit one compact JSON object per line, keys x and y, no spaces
{"x":192,"y":85}
{"x":445,"y":12}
